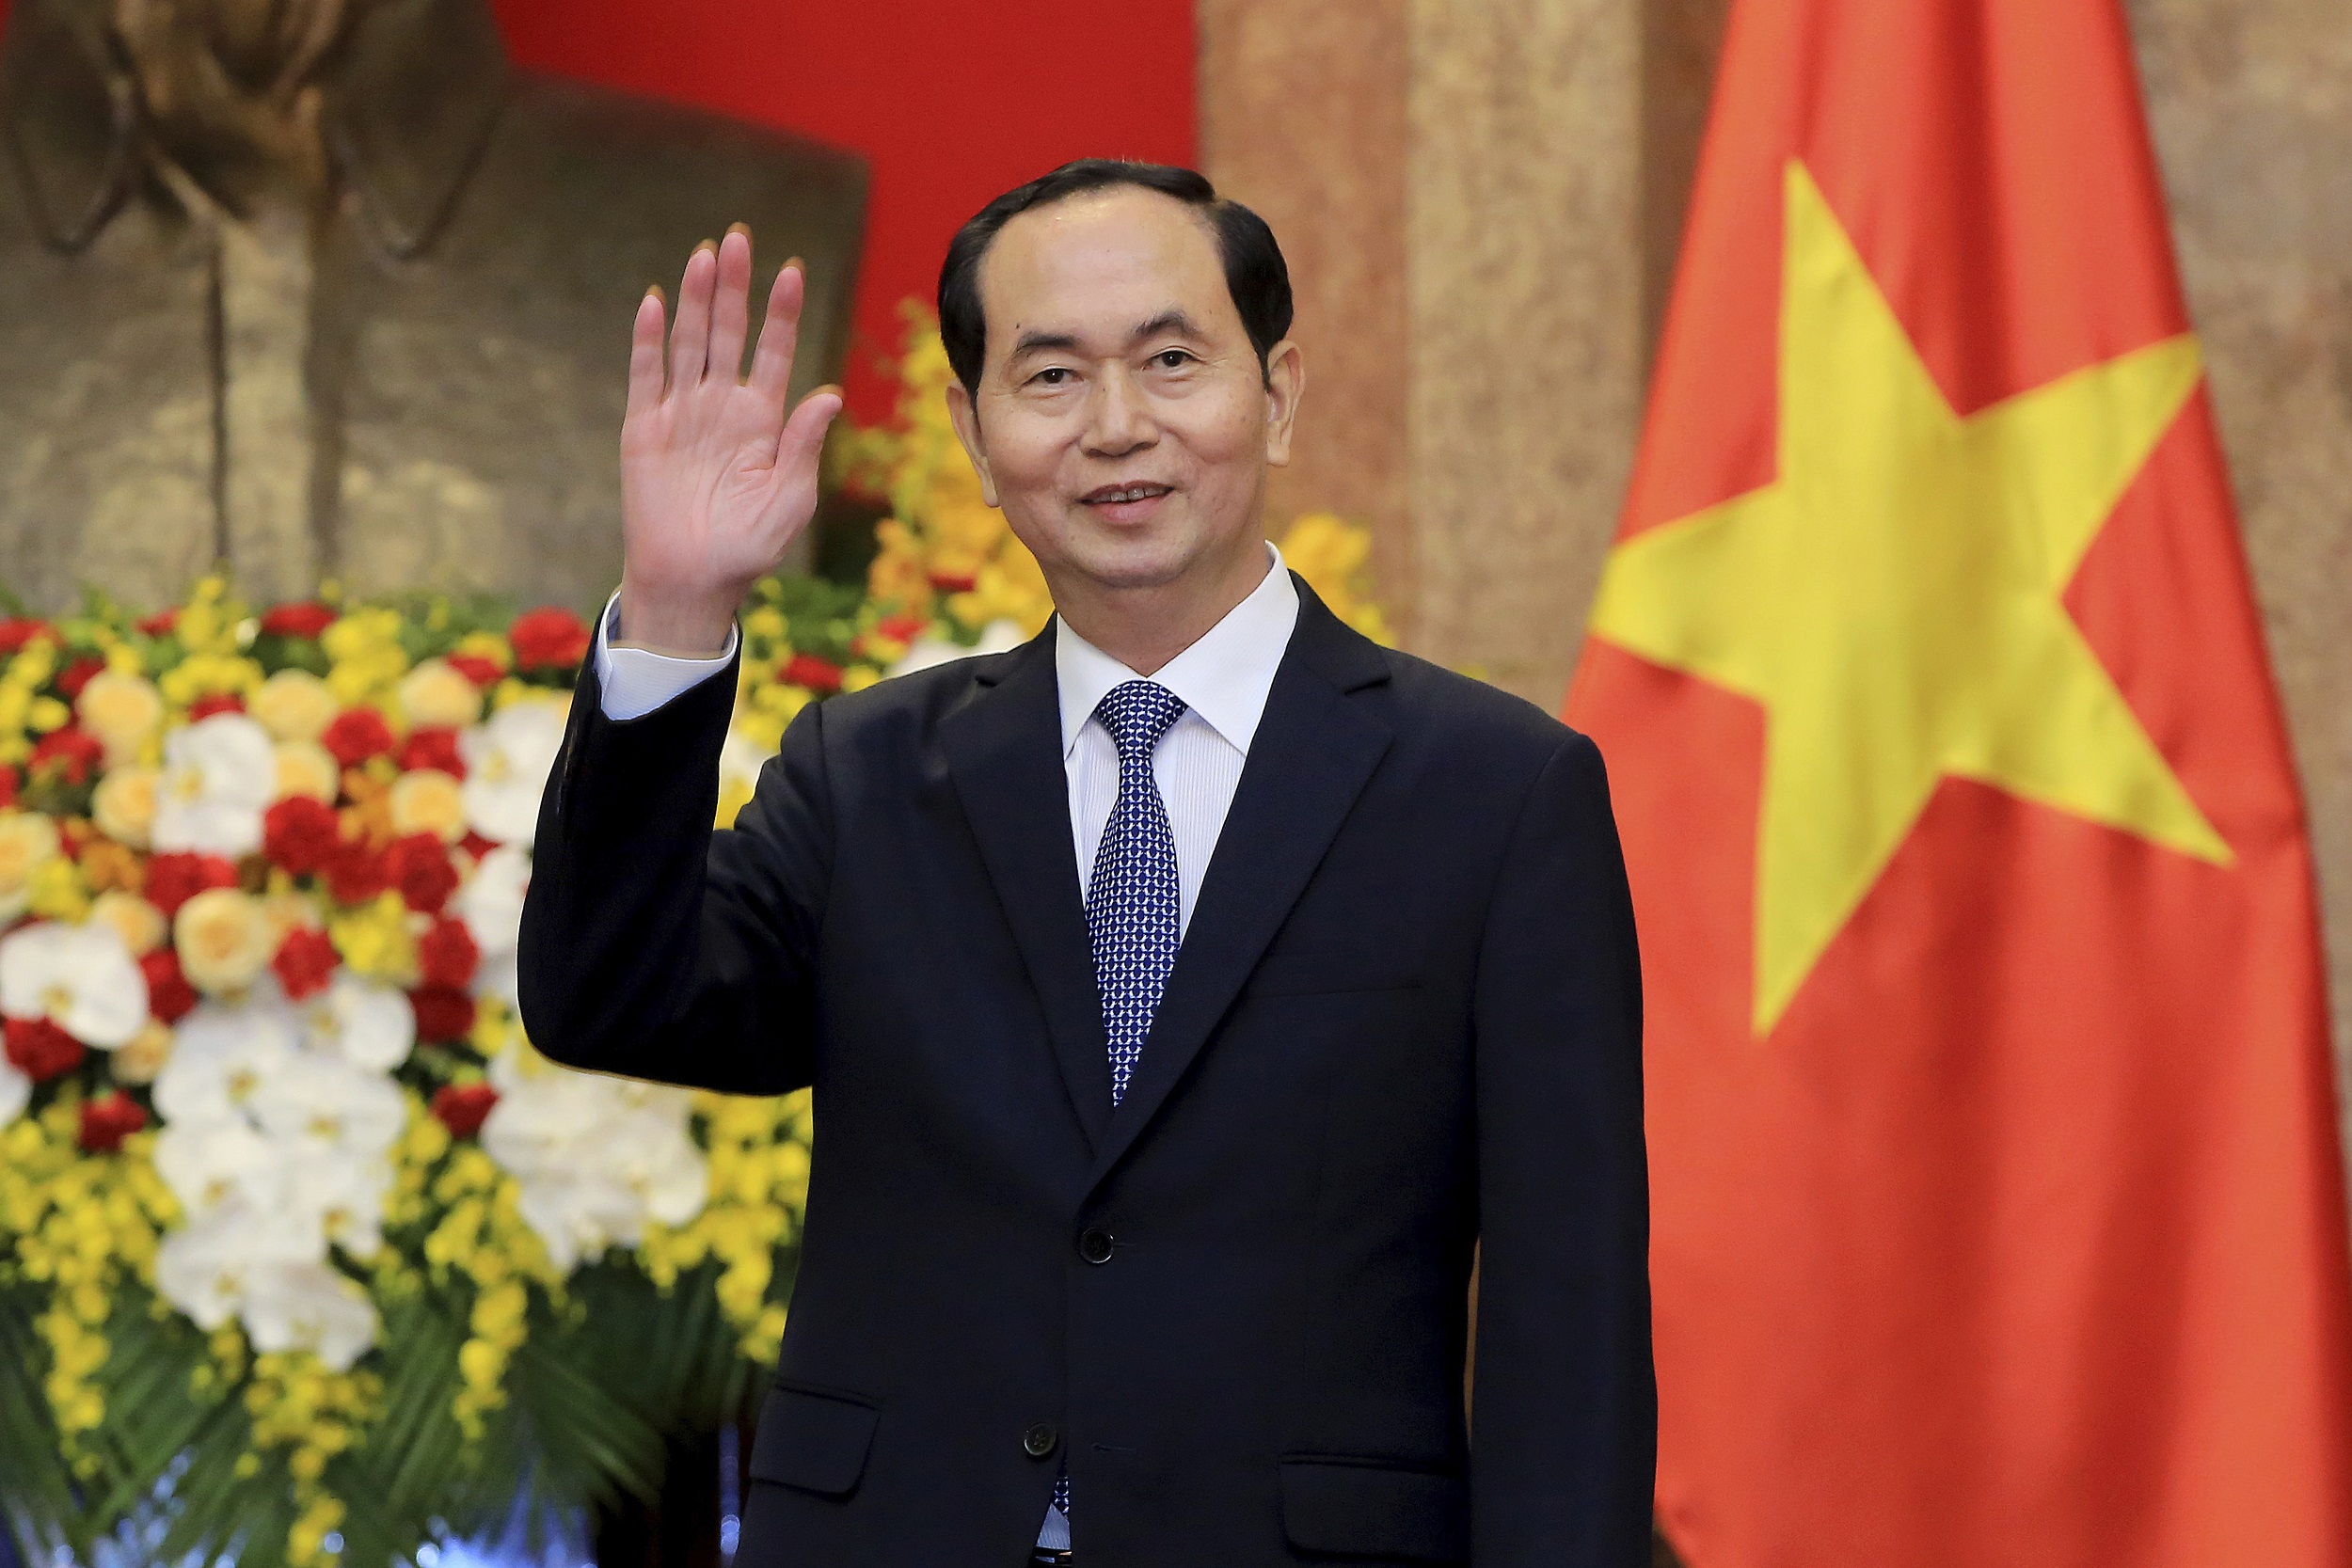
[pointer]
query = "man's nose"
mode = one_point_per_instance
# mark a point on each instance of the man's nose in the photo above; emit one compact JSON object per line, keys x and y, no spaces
{"x":1119,"y":418}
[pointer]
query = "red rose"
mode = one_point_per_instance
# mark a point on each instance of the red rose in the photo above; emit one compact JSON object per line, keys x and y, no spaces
{"x":77,"y":674}
{"x":169,"y":996}
{"x":551,"y":637}
{"x":817,"y":675}
{"x":162,"y":624}
{"x":299,"y":833}
{"x":949,"y":582}
{"x":109,"y":1119}
{"x":305,"y":962}
{"x":357,"y":734}
{"x":174,"y":879}
{"x":904,"y":628}
{"x":41,"y":1051}
{"x":7,"y":788}
{"x":299,"y":620}
{"x":356,"y":874}
{"x":434,"y":747}
{"x":482,"y":671}
{"x":219,"y":701}
{"x":420,"y":868}
{"x":443,"y":1014}
{"x":17,"y":630}
{"x":464,"y":1107}
{"x":69,"y":754}
{"x":446,"y":954}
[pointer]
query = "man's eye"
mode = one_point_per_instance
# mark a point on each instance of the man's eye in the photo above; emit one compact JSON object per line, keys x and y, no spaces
{"x":1054,"y":375}
{"x":1171,"y":358}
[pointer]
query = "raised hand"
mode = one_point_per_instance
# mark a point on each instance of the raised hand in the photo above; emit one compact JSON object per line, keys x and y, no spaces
{"x":715,"y":480}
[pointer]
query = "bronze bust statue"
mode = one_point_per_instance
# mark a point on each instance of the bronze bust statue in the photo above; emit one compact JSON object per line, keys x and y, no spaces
{"x":328,"y":288}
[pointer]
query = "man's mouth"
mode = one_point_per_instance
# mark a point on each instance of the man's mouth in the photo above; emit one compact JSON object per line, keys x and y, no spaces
{"x":1114,"y":495}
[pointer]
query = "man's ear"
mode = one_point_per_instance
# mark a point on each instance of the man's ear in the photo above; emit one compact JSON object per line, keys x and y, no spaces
{"x":1286,"y":383}
{"x":966,"y":419}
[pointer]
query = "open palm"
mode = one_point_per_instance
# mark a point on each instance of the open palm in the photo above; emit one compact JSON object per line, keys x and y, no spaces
{"x":716,"y":481}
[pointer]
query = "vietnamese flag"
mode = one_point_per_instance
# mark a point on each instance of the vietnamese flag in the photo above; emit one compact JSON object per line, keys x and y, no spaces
{"x":1998,"y":1216}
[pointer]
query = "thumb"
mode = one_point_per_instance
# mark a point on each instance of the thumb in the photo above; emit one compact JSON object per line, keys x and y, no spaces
{"x":805,"y":431}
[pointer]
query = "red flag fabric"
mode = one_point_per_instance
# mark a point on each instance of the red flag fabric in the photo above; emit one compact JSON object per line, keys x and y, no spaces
{"x":1998,"y":1215}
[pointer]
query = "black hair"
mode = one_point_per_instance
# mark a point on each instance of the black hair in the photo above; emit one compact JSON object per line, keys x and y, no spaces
{"x":1255,"y":272}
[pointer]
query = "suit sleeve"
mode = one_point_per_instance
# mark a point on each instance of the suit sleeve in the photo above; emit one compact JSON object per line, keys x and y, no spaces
{"x":654,"y":946}
{"x":1565,"y":1405}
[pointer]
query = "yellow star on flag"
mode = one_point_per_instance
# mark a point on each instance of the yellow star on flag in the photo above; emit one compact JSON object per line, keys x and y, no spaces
{"x":1893,"y":601}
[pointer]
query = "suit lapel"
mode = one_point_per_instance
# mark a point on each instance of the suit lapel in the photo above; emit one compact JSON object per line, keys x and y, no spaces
{"x":1314,"y":750}
{"x":1004,"y":749}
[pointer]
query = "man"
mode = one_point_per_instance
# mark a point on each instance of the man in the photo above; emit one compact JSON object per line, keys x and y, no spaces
{"x":1186,"y":992}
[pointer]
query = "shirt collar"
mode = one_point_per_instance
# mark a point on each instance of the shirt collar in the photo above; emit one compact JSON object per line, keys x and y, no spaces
{"x":1224,"y":677}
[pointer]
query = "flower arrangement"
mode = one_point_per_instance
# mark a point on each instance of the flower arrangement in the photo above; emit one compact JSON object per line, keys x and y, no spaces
{"x":305,"y":1251}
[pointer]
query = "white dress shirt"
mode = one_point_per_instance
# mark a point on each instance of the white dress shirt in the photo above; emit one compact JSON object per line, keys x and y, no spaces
{"x":1222,"y":680}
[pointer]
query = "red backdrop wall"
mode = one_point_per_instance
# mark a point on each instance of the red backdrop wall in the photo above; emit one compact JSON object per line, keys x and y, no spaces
{"x":950,"y":100}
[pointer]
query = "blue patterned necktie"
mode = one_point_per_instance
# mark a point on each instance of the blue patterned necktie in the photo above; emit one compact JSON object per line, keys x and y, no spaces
{"x":1133,"y":913}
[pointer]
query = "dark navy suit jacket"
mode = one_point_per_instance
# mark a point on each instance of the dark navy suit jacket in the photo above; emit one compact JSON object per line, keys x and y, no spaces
{"x":1404,"y":1025}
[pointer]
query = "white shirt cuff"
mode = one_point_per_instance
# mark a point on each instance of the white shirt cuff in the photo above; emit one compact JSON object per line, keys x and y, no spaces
{"x":636,"y":681}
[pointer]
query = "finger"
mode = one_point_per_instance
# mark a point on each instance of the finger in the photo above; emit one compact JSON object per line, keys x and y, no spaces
{"x":780,"y":334}
{"x":645,"y":354}
{"x":730,"y":313}
{"x":804,"y":435}
{"x":690,"y":334}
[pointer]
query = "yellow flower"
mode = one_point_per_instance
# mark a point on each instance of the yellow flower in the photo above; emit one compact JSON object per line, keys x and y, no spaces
{"x":435,"y":694}
{"x":374,"y":939}
{"x":294,"y":704}
{"x":368,"y":658}
{"x":210,"y":674}
{"x":140,"y":923}
{"x":223,"y":939}
{"x":140,"y":1059}
{"x":123,"y":710}
{"x":27,"y":840}
{"x":307,"y":768}
{"x":123,"y":804}
{"x":1332,"y":554}
{"x":429,"y":801}
{"x":56,"y":892}
{"x":486,"y":644}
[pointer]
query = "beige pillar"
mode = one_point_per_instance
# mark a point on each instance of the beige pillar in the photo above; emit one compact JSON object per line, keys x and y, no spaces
{"x":2252,"y":101}
{"x":1525,"y":282}
{"x":1302,"y":118}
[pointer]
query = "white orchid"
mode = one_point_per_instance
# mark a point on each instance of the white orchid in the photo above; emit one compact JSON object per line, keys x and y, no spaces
{"x":223,"y":1054}
{"x":508,"y":761}
{"x":314,"y":1107}
{"x":216,"y":1166}
{"x":491,"y":905}
{"x":596,"y":1158}
{"x":82,"y":978}
{"x":16,"y":1092}
{"x":345,"y":1197}
{"x":209,"y":1270}
{"x":361,"y":1022}
{"x":309,"y":1307}
{"x":220,"y":774}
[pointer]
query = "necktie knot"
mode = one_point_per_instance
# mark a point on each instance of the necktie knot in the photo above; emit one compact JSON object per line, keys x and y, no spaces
{"x":1136,"y":714}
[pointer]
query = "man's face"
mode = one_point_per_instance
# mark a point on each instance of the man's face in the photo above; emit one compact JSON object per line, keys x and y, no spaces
{"x":1123,"y":421}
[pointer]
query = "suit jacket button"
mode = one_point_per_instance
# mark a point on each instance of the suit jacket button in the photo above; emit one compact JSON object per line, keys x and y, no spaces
{"x":1095,"y":1245}
{"x":1040,"y":1440}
